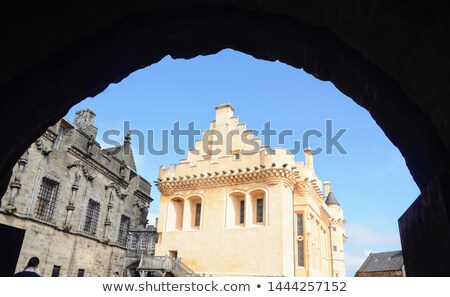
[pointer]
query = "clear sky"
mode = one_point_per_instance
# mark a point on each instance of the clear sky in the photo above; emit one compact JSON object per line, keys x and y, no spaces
{"x":371,"y":181}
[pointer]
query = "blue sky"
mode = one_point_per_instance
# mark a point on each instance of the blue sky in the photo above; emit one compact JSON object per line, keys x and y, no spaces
{"x":371,"y":182}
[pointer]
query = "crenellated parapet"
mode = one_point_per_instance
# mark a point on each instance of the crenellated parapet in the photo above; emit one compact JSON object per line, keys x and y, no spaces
{"x":239,"y":176}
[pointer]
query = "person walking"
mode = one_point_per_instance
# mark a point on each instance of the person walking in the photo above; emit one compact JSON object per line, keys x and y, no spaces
{"x":30,"y":270}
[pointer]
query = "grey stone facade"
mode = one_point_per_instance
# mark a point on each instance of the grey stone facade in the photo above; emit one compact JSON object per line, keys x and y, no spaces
{"x":79,"y":204}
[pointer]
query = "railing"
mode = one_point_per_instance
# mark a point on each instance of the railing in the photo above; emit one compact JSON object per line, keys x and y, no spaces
{"x":157,"y":263}
{"x":181,"y":270}
{"x":166,"y":264}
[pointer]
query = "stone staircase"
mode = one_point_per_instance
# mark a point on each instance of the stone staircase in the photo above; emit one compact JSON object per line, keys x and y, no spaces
{"x":164,"y":265}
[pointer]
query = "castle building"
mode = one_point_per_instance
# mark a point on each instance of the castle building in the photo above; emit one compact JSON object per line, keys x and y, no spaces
{"x":75,"y":205}
{"x":234,"y":208}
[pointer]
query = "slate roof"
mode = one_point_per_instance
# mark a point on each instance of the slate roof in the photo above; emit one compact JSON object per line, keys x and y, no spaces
{"x":331,"y":199}
{"x":386,"y":261}
{"x":122,"y":154}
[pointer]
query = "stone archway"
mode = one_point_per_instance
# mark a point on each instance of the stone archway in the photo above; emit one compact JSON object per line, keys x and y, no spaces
{"x":390,"y":58}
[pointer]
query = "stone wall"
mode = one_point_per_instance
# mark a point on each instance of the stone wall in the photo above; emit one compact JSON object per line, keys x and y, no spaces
{"x":83,"y":171}
{"x":68,"y":250}
{"x":425,"y":231}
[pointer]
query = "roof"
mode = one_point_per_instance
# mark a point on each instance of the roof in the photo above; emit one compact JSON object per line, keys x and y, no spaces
{"x":386,"y":261}
{"x":331,"y":199}
{"x":122,"y":154}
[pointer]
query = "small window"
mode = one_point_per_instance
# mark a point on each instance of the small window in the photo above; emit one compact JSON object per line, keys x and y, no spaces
{"x":258,"y":207}
{"x":143,"y":242}
{"x":236,"y":157}
{"x":260,"y":210}
{"x":300,"y":242}
{"x":198,"y":213}
{"x":236,"y":215}
{"x":242,"y":212}
{"x":153,"y":243}
{"x":334,"y":248}
{"x":300,"y":253}
{"x":299,"y":224}
{"x":133,"y":243}
{"x":334,"y":229}
{"x":80,"y":272}
{"x":56,"y":271}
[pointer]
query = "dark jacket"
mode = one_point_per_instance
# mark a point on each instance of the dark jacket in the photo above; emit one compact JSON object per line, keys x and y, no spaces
{"x":27,"y":274}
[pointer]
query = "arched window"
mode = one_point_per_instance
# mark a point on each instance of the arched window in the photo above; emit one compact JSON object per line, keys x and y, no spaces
{"x":133,"y":242}
{"x":236,"y":210}
{"x":175,"y":214}
{"x":194,"y":212}
{"x":143,"y":242}
{"x":258,"y":207}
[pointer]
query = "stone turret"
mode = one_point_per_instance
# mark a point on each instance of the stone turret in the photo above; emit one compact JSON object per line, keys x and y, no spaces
{"x":331,"y":199}
{"x":337,"y":229}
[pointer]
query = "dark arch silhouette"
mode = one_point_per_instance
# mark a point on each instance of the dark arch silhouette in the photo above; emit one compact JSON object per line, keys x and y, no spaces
{"x":390,"y":58}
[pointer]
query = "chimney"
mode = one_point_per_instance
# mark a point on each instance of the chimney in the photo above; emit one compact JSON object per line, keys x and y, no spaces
{"x":309,"y":162}
{"x":327,"y":186}
{"x":84,"y":121}
{"x":223,"y":113}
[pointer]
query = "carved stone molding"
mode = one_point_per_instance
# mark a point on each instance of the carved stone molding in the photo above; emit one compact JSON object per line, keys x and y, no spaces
{"x":270,"y":176}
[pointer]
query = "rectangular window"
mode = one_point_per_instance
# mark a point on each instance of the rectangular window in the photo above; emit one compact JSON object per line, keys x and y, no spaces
{"x":91,"y":220}
{"x":80,"y":272}
{"x":198,"y":213}
{"x":300,"y":242}
{"x":236,"y":156}
{"x":334,"y":229}
{"x":299,"y":224}
{"x":242,"y":212}
{"x":300,"y":253}
{"x":334,"y":248}
{"x":259,"y":210}
{"x":123,"y":230}
{"x":56,"y":270}
{"x":46,"y":200}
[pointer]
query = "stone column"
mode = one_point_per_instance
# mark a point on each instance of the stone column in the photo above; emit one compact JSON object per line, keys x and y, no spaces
{"x":71,"y":207}
{"x":16,"y":184}
{"x":110,"y":192}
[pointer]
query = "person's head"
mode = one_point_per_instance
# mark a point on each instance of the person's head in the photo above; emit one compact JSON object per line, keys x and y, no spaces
{"x":33,"y":262}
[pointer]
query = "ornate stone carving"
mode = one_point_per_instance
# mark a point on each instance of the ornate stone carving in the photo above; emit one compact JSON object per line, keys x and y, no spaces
{"x":83,"y":168}
{"x":90,"y":145}
{"x":122,"y":170}
{"x":271,"y":176}
{"x":41,"y":147}
{"x":16,"y":184}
